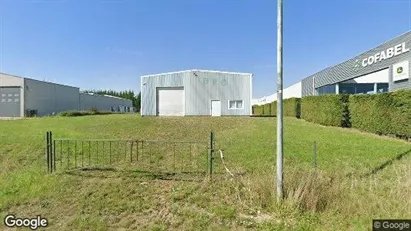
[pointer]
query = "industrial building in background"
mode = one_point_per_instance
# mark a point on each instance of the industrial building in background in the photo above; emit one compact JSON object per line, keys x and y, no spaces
{"x":24,"y":97}
{"x":196,"y":93}
{"x":382,"y":69}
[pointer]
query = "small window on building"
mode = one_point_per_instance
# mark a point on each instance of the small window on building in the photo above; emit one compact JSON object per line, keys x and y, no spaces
{"x":10,"y":95}
{"x":235,"y":104}
{"x":16,"y":95}
{"x":16,"y":100}
{"x":3,"y":100}
{"x":9,"y":100}
{"x":3,"y":95}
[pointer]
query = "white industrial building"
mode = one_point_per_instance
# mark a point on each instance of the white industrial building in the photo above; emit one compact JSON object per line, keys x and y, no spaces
{"x":21,"y":97}
{"x":293,"y":91}
{"x":196,"y":93}
{"x":385,"y":68}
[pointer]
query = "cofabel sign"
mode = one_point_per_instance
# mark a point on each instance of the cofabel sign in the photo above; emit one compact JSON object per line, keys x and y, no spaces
{"x":383,"y":55}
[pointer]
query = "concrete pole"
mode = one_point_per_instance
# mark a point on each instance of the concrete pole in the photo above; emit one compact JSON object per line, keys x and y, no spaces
{"x":280,"y":100}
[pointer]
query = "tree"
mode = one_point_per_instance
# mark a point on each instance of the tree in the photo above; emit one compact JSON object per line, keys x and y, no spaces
{"x":136,"y":99}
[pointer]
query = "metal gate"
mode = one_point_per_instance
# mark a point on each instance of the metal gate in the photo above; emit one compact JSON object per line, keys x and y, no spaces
{"x":10,"y":102}
{"x":149,"y":156}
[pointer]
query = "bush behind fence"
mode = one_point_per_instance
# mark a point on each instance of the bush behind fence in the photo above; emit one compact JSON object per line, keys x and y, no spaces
{"x":383,"y":114}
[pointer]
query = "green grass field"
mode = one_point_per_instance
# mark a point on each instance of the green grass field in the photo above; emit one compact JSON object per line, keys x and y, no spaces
{"x":359,"y":177}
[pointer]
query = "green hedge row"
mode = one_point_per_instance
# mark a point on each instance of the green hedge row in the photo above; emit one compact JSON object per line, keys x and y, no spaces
{"x":85,"y":113}
{"x":258,"y":110}
{"x":383,"y":114}
{"x":291,"y":108}
{"x":329,"y":110}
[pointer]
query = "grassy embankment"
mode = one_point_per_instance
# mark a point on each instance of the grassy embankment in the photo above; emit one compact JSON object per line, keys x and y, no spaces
{"x":343,"y":194}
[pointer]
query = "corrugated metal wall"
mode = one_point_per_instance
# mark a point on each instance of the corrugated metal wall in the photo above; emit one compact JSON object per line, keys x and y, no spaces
{"x":102,"y":103}
{"x":47,"y":98}
{"x":10,"y":101}
{"x":347,"y":70}
{"x":293,"y":91}
{"x":14,"y":81}
{"x":200,"y":88}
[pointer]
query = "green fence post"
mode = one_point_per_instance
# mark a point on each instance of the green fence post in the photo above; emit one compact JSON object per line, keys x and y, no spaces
{"x":315,"y":155}
{"x":51,"y":152}
{"x":54,"y":155}
{"x":47,"y":152}
{"x":211,"y":155}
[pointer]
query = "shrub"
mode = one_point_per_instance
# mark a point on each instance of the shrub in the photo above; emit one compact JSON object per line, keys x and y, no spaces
{"x":94,"y":110}
{"x":257,"y":110}
{"x":370,"y":112}
{"x":383,"y":114}
{"x":329,"y":110}
{"x":401,"y":114}
{"x":74,"y":113}
{"x":273,"y":108}
{"x":291,"y":107}
{"x":267,"y":109}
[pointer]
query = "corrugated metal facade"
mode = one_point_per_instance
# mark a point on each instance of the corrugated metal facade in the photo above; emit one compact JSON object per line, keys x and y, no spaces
{"x":346,"y":70}
{"x":293,"y":91}
{"x":103,"y":103}
{"x":13,"y":81}
{"x":47,"y":98}
{"x":200,"y":88}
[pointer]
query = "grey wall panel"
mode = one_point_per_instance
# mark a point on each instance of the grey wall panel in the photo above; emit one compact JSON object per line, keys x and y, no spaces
{"x":7,"y":80}
{"x":149,"y":92}
{"x":200,"y":88}
{"x":348,"y":70}
{"x":101,"y":102}
{"x":307,"y":86}
{"x":47,"y":98}
{"x":207,"y":86}
{"x":10,"y":101}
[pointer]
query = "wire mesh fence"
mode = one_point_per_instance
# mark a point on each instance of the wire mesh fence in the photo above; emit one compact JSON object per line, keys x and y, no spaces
{"x":153,"y":156}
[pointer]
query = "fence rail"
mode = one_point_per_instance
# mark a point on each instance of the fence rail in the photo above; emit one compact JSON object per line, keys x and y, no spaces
{"x":156,"y":156}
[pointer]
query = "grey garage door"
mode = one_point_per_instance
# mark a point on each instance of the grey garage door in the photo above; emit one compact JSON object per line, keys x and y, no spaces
{"x":9,"y":101}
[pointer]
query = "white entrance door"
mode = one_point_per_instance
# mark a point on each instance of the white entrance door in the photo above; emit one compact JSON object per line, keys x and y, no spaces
{"x":215,"y":108}
{"x":170,"y":101}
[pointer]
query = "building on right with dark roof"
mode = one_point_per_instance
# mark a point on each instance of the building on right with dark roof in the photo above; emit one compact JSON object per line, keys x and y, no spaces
{"x":382,"y":69}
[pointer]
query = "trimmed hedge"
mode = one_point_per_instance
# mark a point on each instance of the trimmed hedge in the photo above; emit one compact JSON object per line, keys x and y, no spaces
{"x":85,"y":113}
{"x":401,"y":116}
{"x":329,"y":110}
{"x":267,"y":109}
{"x":292,"y":108}
{"x":258,"y":110}
{"x":273,"y":106}
{"x":383,"y":114}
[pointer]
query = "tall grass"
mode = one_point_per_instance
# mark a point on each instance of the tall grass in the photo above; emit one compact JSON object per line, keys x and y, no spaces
{"x":359,"y":177}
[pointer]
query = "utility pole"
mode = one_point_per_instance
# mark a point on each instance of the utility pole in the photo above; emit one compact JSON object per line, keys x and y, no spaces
{"x":279,"y":100}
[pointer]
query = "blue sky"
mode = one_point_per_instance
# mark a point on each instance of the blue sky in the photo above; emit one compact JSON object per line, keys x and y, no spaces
{"x":108,"y":44}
